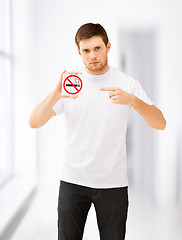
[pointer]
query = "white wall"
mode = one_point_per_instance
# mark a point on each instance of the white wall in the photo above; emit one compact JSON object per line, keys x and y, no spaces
{"x":23,"y":44}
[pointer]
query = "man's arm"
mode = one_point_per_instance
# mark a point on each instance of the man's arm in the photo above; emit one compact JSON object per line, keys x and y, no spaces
{"x":43,"y":111}
{"x":150,"y":113}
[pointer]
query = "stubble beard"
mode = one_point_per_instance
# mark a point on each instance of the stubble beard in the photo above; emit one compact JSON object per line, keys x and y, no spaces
{"x":95,"y":69}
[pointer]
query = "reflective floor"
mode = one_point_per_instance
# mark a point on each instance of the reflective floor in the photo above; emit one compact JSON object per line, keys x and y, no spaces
{"x":145,"y":222}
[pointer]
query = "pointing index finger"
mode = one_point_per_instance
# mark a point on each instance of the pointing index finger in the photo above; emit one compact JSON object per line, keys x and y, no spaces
{"x":108,"y":89}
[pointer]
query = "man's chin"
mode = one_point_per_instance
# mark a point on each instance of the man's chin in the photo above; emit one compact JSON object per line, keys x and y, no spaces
{"x":96,"y":67}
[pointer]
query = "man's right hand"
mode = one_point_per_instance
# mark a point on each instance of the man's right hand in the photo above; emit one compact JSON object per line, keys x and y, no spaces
{"x":43,"y":111}
{"x":58,"y":88}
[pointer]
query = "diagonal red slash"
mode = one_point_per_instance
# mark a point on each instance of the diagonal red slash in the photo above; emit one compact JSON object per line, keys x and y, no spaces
{"x":72,"y":84}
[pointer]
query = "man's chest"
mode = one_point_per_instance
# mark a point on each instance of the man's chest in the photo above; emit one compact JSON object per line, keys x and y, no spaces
{"x":93,"y":103}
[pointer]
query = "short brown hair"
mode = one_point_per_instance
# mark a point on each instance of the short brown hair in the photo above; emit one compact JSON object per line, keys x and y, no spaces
{"x":89,"y":30}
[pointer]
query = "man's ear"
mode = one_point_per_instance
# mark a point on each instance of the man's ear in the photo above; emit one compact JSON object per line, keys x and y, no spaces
{"x":108,"y":46}
{"x":79,"y":51}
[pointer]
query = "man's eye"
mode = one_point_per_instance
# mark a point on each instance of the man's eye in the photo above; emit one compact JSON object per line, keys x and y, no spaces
{"x":86,"y":51}
{"x":97,"y":48}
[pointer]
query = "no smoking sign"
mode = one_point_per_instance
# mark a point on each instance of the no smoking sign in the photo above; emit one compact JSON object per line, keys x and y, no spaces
{"x":72,"y":84}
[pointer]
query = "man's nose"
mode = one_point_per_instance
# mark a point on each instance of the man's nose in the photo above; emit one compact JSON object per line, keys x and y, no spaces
{"x":92,"y":55}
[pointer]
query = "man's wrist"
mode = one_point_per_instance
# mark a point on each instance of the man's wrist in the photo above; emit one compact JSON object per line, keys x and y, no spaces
{"x":133,"y":101}
{"x":56,"y":95}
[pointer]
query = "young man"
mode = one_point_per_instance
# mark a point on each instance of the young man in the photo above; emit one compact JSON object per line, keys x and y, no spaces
{"x":95,"y":170}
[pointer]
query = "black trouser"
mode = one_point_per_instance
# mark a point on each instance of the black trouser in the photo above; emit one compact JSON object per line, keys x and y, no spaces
{"x":74,"y":202}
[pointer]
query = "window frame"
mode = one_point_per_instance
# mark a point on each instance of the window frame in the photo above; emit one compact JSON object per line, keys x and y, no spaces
{"x":7,"y":58}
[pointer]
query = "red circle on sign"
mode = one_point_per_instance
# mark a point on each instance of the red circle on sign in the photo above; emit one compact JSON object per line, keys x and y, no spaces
{"x":67,"y":78}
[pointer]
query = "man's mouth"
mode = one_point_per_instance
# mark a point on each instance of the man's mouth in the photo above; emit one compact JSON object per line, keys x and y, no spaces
{"x":94,"y":63}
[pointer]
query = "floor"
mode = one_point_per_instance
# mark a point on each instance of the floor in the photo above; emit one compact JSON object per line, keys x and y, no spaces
{"x":144,"y":221}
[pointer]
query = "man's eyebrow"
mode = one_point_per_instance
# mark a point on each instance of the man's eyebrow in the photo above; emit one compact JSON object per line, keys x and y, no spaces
{"x":83,"y":49}
{"x":98,"y":46}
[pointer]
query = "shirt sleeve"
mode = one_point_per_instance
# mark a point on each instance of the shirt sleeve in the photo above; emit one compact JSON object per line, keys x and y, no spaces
{"x":58,"y":107}
{"x":140,"y":93}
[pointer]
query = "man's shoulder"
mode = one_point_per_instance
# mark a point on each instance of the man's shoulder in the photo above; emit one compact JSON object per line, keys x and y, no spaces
{"x":122,"y":75}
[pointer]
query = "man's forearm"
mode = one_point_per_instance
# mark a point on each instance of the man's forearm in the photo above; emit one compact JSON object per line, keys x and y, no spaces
{"x":151,"y":114}
{"x":41,"y":112}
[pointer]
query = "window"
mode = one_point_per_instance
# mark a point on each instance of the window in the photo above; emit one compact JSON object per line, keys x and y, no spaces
{"x":6,"y":165}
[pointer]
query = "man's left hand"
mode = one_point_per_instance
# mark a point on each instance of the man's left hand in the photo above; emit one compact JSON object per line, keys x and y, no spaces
{"x":118,"y":96}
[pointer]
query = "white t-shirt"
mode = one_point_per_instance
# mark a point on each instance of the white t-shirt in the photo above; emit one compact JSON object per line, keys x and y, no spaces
{"x":95,"y":152}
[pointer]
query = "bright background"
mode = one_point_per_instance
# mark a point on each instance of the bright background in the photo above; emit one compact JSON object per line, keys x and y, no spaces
{"x":145,"y":41}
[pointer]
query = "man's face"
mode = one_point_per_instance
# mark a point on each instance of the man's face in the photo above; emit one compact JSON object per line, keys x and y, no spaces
{"x":94,"y":54}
